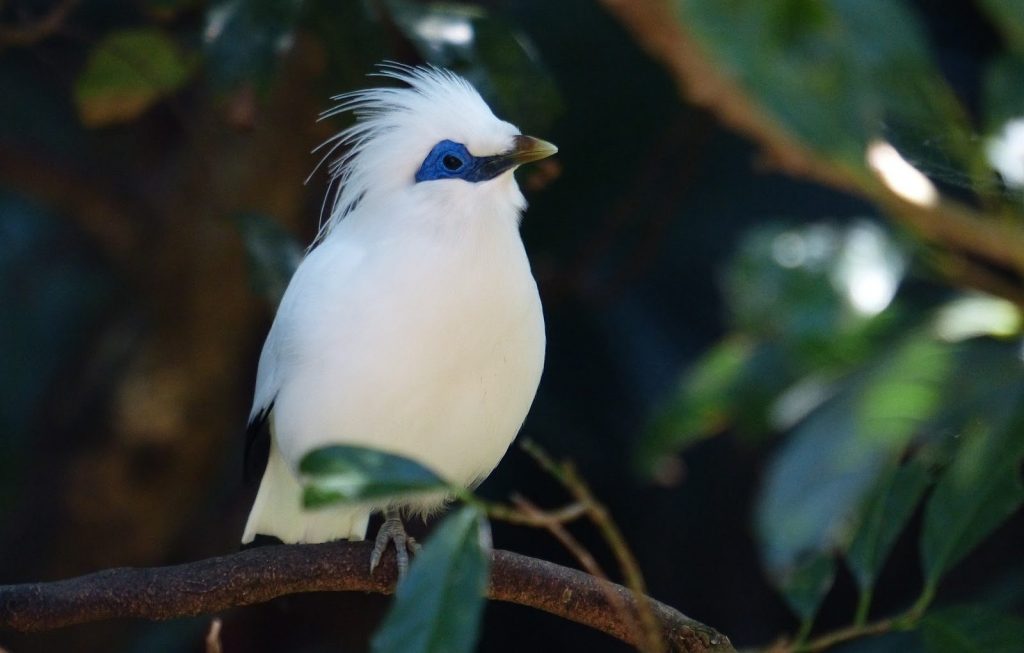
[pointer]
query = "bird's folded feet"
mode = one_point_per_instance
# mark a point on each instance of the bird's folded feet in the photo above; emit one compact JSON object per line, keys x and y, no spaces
{"x":392,"y":530}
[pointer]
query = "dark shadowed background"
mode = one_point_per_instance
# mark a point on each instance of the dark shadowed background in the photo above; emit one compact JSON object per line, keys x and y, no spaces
{"x":768,"y":379}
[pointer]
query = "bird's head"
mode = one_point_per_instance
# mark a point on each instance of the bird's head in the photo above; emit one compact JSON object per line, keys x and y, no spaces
{"x":433,"y":140}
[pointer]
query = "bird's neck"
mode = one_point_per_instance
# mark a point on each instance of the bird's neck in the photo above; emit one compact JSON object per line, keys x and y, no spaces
{"x":449,"y":214}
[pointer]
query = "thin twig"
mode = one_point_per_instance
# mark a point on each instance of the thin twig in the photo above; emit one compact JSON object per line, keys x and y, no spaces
{"x":539,"y":519}
{"x":580,"y":552}
{"x":576,"y":486}
{"x":842,"y":635}
{"x":213,"y":637}
{"x":834,"y":638}
{"x":565,"y":538}
{"x":527,"y":513}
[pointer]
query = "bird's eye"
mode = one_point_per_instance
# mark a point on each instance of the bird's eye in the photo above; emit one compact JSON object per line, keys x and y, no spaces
{"x":451,"y":162}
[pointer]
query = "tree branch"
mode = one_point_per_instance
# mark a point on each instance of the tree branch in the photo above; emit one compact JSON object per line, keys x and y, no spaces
{"x":986,"y":243}
{"x":259,"y":575}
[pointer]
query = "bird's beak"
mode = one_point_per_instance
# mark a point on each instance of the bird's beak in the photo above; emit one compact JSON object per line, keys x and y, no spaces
{"x":524,"y":149}
{"x":527,"y":148}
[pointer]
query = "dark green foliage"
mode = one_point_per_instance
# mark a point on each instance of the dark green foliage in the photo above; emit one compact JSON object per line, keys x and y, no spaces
{"x":805,"y":585}
{"x":244,"y":40}
{"x":272,"y":252}
{"x":498,"y":59}
{"x":976,"y":493}
{"x":1004,"y":92}
{"x":972,"y":629}
{"x":437,"y":608}
{"x":886,"y":511}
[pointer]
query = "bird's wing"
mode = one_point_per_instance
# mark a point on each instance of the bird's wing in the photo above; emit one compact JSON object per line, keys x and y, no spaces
{"x":258,"y":428}
{"x":268,"y":376}
{"x":321,"y":278}
{"x":257,"y":431}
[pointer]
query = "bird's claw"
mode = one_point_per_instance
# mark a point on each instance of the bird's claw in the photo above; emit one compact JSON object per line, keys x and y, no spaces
{"x":392,"y":530}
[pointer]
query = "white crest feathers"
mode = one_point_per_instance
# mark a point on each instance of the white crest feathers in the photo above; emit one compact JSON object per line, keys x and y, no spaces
{"x":396,"y":127}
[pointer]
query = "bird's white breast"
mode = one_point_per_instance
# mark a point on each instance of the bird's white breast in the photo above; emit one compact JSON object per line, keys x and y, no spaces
{"x":425,"y":340}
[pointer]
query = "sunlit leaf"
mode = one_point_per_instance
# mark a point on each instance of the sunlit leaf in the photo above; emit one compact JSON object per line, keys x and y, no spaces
{"x":972,"y":629}
{"x":245,"y":39}
{"x":437,"y":608}
{"x":977,"y":315}
{"x":805,"y":585}
{"x":127,"y":72}
{"x":904,"y":391}
{"x":272,"y":253}
{"x":979,"y":490}
{"x":888,"y":508}
{"x":343,"y":473}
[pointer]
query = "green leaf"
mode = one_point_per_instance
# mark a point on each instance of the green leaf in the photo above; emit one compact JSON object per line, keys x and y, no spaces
{"x":437,"y":608}
{"x":272,"y":254}
{"x":886,"y":513}
{"x":979,"y":490}
{"x":127,"y":72}
{"x":703,"y":405}
{"x":904,"y":391}
{"x":245,"y":39}
{"x":972,"y":629}
{"x":342,"y":473}
{"x":818,"y":481}
{"x":805,"y":585}
{"x":803,"y":316}
{"x":1003,"y":92}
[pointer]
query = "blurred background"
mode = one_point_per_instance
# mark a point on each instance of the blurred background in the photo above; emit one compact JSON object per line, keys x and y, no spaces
{"x":793,"y":373}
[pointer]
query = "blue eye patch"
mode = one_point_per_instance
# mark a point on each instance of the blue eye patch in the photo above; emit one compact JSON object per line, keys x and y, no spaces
{"x":451,"y":160}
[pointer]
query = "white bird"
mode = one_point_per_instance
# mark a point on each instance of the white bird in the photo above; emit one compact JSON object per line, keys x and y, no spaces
{"x":413,"y":325}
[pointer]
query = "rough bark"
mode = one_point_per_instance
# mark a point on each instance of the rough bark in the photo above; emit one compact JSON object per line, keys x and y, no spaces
{"x":259,"y":575}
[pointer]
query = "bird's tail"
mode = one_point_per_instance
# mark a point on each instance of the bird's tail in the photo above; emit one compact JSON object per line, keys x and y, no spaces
{"x":278,"y":510}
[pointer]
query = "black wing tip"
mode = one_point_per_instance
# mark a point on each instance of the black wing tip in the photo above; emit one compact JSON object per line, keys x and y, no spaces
{"x":257,"y":445}
{"x":260,"y":541}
